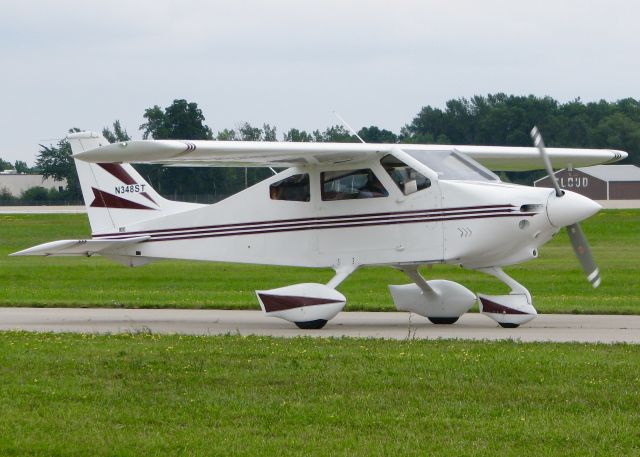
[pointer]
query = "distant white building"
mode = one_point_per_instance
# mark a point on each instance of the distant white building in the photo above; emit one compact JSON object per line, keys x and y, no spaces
{"x":17,"y":183}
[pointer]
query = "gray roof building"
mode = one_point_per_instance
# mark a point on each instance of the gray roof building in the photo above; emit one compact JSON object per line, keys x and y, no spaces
{"x":613,"y":172}
{"x":600,"y":182}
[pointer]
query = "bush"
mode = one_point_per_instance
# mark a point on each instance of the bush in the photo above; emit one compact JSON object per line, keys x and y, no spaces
{"x":35,"y":194}
{"x":6,"y":196}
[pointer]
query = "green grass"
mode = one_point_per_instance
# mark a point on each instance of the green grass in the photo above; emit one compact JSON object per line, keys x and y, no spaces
{"x":555,"y":279}
{"x":63,"y":394}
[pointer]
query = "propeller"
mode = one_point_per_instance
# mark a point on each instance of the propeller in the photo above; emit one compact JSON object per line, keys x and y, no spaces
{"x":576,"y":235}
{"x":539,"y":143}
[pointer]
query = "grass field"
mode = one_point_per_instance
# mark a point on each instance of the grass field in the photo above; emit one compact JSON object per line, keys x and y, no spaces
{"x":141,"y":394}
{"x":555,"y":279}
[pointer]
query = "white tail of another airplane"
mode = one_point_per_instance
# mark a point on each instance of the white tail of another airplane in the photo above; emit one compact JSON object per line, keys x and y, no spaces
{"x":115,"y":194}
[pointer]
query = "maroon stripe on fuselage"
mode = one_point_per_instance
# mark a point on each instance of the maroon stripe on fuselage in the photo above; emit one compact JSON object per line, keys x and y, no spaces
{"x":507,"y":207}
{"x":319,"y":224}
{"x":267,"y":230}
{"x":285,"y":302}
{"x":489,"y":306}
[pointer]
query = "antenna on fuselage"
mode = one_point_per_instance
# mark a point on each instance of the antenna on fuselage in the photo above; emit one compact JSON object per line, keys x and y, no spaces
{"x":348,"y":126}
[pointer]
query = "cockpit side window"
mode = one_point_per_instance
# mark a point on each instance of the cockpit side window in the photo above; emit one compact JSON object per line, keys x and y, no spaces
{"x":406,"y":178}
{"x":295,"y":188}
{"x":351,"y":184}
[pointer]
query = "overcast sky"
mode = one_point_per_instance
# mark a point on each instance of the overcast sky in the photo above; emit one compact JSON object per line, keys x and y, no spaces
{"x":84,"y":63}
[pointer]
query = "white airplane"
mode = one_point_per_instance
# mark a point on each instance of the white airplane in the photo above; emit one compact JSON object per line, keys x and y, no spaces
{"x":342,"y":206}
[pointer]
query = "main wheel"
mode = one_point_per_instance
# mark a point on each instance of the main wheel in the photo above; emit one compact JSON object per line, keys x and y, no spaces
{"x":508,"y":325}
{"x":312,"y":325}
{"x":443,"y":320}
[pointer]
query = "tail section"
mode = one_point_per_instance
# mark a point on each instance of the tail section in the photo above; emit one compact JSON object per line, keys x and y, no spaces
{"x":115,"y":194}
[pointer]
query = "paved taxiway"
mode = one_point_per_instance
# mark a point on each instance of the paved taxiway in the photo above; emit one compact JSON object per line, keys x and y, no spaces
{"x":549,"y":327}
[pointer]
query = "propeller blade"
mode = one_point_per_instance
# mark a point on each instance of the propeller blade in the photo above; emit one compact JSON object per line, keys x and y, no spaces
{"x":539,"y":143}
{"x":583,"y":252}
{"x":576,"y":235}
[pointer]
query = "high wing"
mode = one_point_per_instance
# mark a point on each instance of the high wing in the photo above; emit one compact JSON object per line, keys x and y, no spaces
{"x":287,"y":154}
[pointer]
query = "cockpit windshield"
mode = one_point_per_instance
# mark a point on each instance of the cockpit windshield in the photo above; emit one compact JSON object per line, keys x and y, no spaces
{"x":453,"y":165}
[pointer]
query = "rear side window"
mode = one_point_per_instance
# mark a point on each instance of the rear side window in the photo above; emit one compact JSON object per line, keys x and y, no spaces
{"x":406,"y":178}
{"x":294,"y":188}
{"x":351,"y":184}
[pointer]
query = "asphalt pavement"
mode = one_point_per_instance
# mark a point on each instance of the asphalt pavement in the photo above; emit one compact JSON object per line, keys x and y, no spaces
{"x":394,"y":325}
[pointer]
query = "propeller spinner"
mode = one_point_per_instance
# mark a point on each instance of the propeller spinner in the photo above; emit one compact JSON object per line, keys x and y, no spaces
{"x":578,"y":240}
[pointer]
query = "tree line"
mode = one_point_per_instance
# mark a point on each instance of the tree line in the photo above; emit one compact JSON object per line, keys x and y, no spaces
{"x":495,"y":119}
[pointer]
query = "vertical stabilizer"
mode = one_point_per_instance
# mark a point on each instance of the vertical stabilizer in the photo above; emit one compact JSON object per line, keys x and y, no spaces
{"x":115,"y":194}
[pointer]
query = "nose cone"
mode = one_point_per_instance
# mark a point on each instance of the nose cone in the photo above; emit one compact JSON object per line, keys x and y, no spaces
{"x":570,"y":208}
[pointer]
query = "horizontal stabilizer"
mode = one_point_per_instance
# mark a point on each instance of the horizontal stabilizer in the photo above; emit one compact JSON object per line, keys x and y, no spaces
{"x":79,"y":247}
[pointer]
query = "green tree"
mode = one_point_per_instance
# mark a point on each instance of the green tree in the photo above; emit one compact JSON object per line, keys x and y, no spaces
{"x":4,"y":165}
{"x":618,"y":131}
{"x":335,"y":134}
{"x":116,"y":135}
{"x":297,"y":136}
{"x":505,"y":120}
{"x":179,"y":121}
{"x":156,"y":125}
{"x":235,"y":179}
{"x":22,"y":167}
{"x":56,"y":162}
{"x":374,"y":134}
{"x":247,"y":132}
{"x":269,"y":133}
{"x":227,"y":135}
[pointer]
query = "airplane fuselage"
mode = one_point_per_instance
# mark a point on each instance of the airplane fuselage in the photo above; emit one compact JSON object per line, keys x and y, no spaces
{"x":471,"y":223}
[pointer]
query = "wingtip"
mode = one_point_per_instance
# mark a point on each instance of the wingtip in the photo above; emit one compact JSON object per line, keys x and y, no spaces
{"x":617,"y":156}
